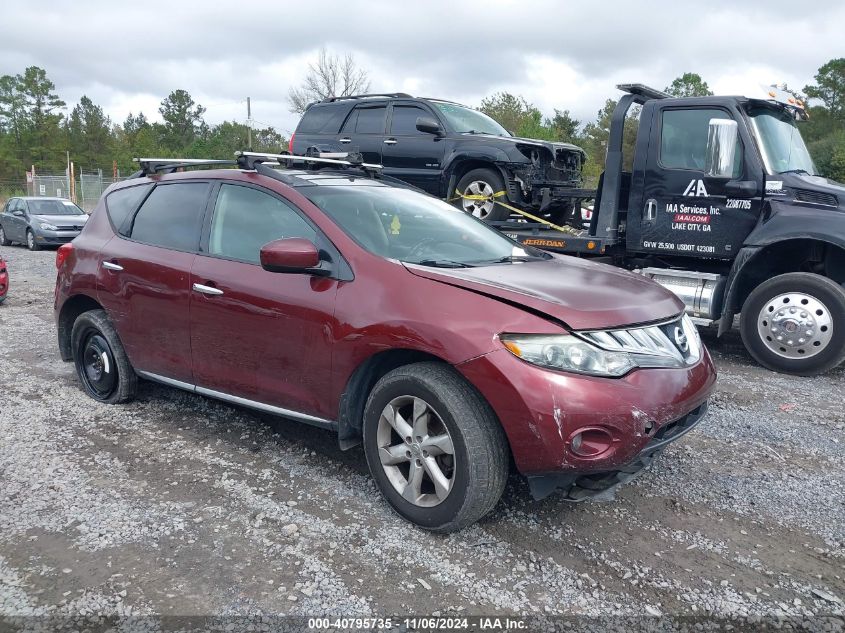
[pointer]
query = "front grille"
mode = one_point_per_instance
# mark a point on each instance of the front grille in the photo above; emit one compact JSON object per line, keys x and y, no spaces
{"x":675,"y":339}
{"x":816,"y":197}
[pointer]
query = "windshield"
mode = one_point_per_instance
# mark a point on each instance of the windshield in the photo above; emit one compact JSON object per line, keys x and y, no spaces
{"x":780,"y":141}
{"x":53,"y":207}
{"x":415,"y":228}
{"x":464,"y":120}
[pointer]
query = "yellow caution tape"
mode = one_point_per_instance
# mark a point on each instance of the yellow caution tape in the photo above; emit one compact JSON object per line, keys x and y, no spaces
{"x":498,"y":194}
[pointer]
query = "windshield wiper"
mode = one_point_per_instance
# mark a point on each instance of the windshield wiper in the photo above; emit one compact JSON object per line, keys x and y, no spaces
{"x":515,"y":258}
{"x":443,"y":263}
{"x":797,"y":171}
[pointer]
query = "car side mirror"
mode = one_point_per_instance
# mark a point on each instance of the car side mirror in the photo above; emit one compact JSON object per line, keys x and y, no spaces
{"x":721,"y":148}
{"x":429,"y":125}
{"x":292,"y":255}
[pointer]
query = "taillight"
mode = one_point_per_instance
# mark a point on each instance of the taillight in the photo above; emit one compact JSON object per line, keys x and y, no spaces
{"x":62,"y":253}
{"x":290,"y":143}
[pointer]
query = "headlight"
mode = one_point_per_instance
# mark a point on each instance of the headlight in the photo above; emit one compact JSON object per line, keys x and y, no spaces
{"x":611,"y":352}
{"x":568,"y":353}
{"x":48,"y":227}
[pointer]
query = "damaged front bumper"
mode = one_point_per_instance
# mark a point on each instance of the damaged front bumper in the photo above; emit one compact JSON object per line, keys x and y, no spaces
{"x":602,"y":485}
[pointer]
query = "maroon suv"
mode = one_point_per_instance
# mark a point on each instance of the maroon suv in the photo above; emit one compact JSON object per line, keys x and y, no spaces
{"x":346,"y":301}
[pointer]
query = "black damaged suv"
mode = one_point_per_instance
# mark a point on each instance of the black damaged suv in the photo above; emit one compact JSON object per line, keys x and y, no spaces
{"x":448,"y":150}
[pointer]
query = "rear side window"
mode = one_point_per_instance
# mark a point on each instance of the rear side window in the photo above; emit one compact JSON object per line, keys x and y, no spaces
{"x":121,"y":203}
{"x":370,"y":120}
{"x":322,"y":119}
{"x":404,"y":121}
{"x":245,"y":219}
{"x":171,"y":216}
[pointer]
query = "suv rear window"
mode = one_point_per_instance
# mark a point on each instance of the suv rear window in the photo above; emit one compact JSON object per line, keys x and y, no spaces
{"x":366,"y":120}
{"x":322,"y":119}
{"x":121,"y":203}
{"x":171,"y":216}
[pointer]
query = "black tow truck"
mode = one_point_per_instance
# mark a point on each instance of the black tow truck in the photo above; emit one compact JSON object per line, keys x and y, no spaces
{"x":722,"y":205}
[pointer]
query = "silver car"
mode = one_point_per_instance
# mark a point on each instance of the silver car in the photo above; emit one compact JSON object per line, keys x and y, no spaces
{"x":40,"y":221}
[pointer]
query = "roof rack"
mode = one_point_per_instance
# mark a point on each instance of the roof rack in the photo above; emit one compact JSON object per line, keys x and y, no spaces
{"x":248,"y":160}
{"x":374,"y":94}
{"x":150,"y":166}
{"x":643,"y":91}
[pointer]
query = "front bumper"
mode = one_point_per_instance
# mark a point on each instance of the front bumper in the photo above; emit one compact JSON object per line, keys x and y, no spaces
{"x":577,"y":487}
{"x":55,"y":237}
{"x":543,"y":410}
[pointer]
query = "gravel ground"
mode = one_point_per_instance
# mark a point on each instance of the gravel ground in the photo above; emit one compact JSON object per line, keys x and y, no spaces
{"x":180,"y":505}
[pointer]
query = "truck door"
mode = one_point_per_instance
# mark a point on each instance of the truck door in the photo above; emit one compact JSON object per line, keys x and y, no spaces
{"x":684,"y":211}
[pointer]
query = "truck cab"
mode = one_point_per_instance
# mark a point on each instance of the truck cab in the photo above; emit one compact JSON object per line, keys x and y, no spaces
{"x":723,"y":205}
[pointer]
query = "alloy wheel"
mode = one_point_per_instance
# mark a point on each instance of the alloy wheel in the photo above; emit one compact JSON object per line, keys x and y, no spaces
{"x":480,"y":208}
{"x":416,"y":451}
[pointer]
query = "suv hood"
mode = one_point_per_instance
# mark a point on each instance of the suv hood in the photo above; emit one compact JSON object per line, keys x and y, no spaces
{"x":581,"y":294}
{"x":518,"y":140}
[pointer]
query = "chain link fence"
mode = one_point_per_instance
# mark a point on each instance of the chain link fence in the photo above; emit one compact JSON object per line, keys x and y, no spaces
{"x":88,"y":187}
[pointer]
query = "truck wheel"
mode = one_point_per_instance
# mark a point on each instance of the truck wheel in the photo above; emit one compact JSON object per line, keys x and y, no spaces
{"x":795,"y":324}
{"x":100,"y":360}
{"x":486,"y":183}
{"x":434,"y":447}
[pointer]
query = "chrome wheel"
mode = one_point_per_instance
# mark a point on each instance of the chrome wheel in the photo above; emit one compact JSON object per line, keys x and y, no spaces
{"x":478,"y":199}
{"x":416,"y":451}
{"x":795,"y":325}
{"x":30,"y":240}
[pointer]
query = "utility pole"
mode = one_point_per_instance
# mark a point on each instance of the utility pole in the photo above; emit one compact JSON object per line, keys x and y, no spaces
{"x":249,"y":123}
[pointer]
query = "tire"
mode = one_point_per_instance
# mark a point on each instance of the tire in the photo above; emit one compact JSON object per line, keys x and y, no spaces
{"x":479,"y":461}
{"x":31,"y":244}
{"x":818,"y":313}
{"x":110,"y":378}
{"x":4,"y":241}
{"x":481,"y":182}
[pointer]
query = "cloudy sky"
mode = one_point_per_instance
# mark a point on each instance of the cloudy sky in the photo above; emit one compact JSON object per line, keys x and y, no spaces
{"x":566,"y":55}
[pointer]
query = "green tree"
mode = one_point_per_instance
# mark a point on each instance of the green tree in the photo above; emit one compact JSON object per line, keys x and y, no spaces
{"x":510,"y":111}
{"x":183,"y":122}
{"x":689,"y":85}
{"x":563,"y":127}
{"x":830,"y":87}
{"x":41,"y":107}
{"x":90,"y":137}
{"x":597,"y":135}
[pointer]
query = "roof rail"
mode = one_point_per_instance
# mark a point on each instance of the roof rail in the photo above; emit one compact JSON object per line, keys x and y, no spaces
{"x":248,"y":160}
{"x":374,"y":94}
{"x":643,"y":91}
{"x":150,"y":166}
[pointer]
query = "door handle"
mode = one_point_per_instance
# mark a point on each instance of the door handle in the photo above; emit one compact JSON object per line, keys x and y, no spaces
{"x":208,"y":290}
{"x":112,"y":266}
{"x":651,"y":210}
{"x":390,"y":141}
{"x":344,"y":140}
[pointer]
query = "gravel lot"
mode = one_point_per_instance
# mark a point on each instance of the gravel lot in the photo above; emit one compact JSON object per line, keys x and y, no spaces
{"x":180,"y":505}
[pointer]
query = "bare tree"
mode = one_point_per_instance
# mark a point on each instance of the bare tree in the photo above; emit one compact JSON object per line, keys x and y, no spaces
{"x":332,"y":76}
